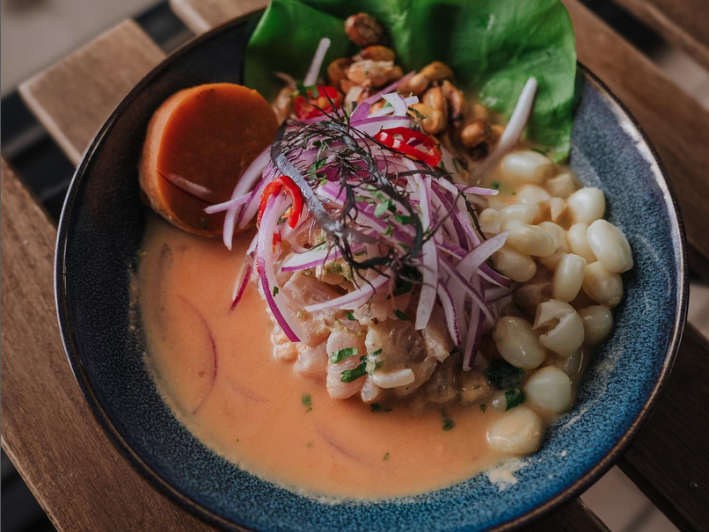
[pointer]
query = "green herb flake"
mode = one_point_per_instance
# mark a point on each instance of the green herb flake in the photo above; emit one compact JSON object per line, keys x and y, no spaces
{"x":389,"y":231}
{"x":417,"y":113}
{"x":203,"y":222}
{"x":404,"y":247}
{"x":376,"y":408}
{"x":496,"y":185}
{"x":310,"y":445}
{"x":350,"y":375}
{"x":386,"y":457}
{"x":375,"y":353}
{"x":382,"y":208}
{"x":513,"y":398}
{"x":401,"y":315}
{"x":448,"y":423}
{"x":483,"y":407}
{"x":307,"y":402}
{"x":503,"y":375}
{"x":275,"y":291}
{"x":341,"y":354}
{"x":351,"y":316}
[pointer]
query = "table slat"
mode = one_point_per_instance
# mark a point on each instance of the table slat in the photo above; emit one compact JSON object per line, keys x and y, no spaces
{"x":669,"y":460}
{"x":74,"y":97}
{"x":48,"y":430}
{"x":684,"y":23}
{"x":203,"y":15}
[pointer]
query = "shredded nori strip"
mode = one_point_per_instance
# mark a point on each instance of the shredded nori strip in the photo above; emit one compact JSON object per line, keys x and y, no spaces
{"x":356,"y":162}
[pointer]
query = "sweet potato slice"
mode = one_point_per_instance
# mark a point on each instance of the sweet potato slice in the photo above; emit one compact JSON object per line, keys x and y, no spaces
{"x":207,"y":135}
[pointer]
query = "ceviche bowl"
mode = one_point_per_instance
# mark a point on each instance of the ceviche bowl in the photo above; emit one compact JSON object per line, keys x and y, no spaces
{"x":100,"y":234}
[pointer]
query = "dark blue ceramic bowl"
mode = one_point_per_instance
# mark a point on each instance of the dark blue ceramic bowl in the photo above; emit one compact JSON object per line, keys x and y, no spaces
{"x":99,"y":236}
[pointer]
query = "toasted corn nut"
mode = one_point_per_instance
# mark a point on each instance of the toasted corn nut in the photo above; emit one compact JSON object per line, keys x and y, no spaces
{"x":417,"y":85}
{"x":475,"y":134}
{"x":337,"y":71}
{"x":435,"y":100}
{"x":433,"y":121}
{"x":437,"y":71}
{"x":457,"y":106}
{"x":396,"y":73}
{"x":363,"y":30}
{"x":375,"y":73}
{"x":376,"y":52}
{"x":479,"y":112}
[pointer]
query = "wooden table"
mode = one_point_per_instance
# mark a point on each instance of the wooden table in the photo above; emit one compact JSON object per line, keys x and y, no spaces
{"x":47,"y":429}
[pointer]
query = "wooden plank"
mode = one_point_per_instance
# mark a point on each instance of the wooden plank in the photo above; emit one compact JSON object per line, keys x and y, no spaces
{"x":683,"y":23}
{"x":203,"y":15}
{"x":74,"y":97}
{"x":74,"y":471}
{"x":48,"y":430}
{"x":669,"y":460}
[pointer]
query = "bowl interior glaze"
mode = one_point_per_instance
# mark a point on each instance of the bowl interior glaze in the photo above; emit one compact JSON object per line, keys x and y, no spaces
{"x":101,"y":231}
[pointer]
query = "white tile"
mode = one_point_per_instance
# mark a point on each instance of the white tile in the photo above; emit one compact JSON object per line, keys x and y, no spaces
{"x":616,"y":500}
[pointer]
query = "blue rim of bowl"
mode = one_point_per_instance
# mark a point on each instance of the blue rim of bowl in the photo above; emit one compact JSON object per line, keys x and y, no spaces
{"x":69,"y":334}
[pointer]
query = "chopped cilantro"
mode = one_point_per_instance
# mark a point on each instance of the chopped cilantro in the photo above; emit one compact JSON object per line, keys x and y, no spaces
{"x":404,"y":246}
{"x":514,"y":397}
{"x":351,"y":316}
{"x":496,"y":185}
{"x":448,"y":423}
{"x":305,"y":92}
{"x":483,"y":407}
{"x":456,"y":164}
{"x":401,"y":315}
{"x":386,"y":457}
{"x":375,"y":353}
{"x":376,"y":407}
{"x":406,"y":220}
{"x":342,"y":354}
{"x":275,"y":291}
{"x":382,"y":208}
{"x":307,"y":402}
{"x":350,"y":375}
{"x":503,"y":375}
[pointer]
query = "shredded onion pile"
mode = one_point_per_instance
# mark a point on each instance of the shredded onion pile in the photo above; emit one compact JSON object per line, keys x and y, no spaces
{"x":452,"y":261}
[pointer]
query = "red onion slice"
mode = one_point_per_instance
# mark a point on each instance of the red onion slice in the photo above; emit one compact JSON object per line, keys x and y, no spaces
{"x":354,"y":299}
{"x":265,"y":267}
{"x":193,"y":189}
{"x":513,"y":131}
{"x":312,"y":76}
{"x":450,"y":312}
{"x":389,"y":88}
{"x":245,"y":183}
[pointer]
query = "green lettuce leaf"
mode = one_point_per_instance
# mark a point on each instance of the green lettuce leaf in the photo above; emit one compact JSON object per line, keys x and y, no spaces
{"x":493,"y":46}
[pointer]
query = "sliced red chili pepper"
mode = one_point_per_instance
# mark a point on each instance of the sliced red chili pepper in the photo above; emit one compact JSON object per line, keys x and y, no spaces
{"x":273,"y":188}
{"x":311,"y":107}
{"x":399,"y":139}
